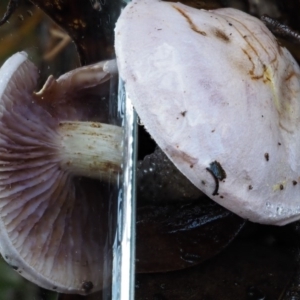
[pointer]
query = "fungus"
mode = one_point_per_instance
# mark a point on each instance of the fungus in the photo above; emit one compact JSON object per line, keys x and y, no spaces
{"x":51,"y":219}
{"x":225,"y":70}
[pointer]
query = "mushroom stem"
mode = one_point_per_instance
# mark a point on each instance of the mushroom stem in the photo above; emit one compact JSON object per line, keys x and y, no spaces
{"x":90,"y":149}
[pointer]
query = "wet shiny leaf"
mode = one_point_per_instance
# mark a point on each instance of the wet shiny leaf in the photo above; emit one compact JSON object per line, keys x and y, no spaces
{"x":176,"y":236}
{"x":249,"y":269}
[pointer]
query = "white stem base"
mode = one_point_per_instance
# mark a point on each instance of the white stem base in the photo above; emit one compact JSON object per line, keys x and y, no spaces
{"x":91,"y":149}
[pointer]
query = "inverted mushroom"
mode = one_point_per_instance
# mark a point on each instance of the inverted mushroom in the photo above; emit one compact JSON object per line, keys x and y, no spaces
{"x":220,"y":97}
{"x":52,"y":224}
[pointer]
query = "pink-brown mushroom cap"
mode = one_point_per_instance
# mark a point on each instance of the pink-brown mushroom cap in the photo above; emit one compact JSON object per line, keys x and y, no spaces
{"x":220,"y":97}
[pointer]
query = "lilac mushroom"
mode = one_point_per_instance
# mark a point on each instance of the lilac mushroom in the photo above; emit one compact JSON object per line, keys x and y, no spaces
{"x":51,"y":229}
{"x":220,"y":96}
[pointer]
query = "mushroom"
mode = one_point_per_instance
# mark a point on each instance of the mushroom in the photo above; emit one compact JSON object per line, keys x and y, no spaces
{"x":220,"y":97}
{"x":52,"y":220}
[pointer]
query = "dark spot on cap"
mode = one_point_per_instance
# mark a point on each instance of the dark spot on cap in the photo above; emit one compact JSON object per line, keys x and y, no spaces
{"x":267,"y":156}
{"x":229,"y":24}
{"x":217,"y":170}
{"x":281,"y":186}
{"x":54,"y":287}
{"x":218,"y":173}
{"x":279,"y":144}
{"x":87,"y":286}
{"x":191,"y":166}
{"x":183,"y":113}
{"x":294,"y":182}
{"x":221,"y":35}
{"x":250,"y":187}
{"x":203,"y":182}
{"x":15,"y":268}
{"x":221,"y":196}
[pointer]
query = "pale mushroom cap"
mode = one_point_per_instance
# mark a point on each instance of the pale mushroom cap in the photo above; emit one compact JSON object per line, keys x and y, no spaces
{"x":51,"y":229}
{"x":220,"y":96}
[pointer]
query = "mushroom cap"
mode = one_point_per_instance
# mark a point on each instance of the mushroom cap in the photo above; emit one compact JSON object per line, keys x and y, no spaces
{"x":52,"y":224}
{"x":220,"y":97}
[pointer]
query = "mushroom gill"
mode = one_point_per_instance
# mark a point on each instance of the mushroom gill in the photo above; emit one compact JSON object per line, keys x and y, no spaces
{"x":52,"y":220}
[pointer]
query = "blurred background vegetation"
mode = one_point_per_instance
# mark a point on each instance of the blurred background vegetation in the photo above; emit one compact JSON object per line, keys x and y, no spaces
{"x":30,"y":29}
